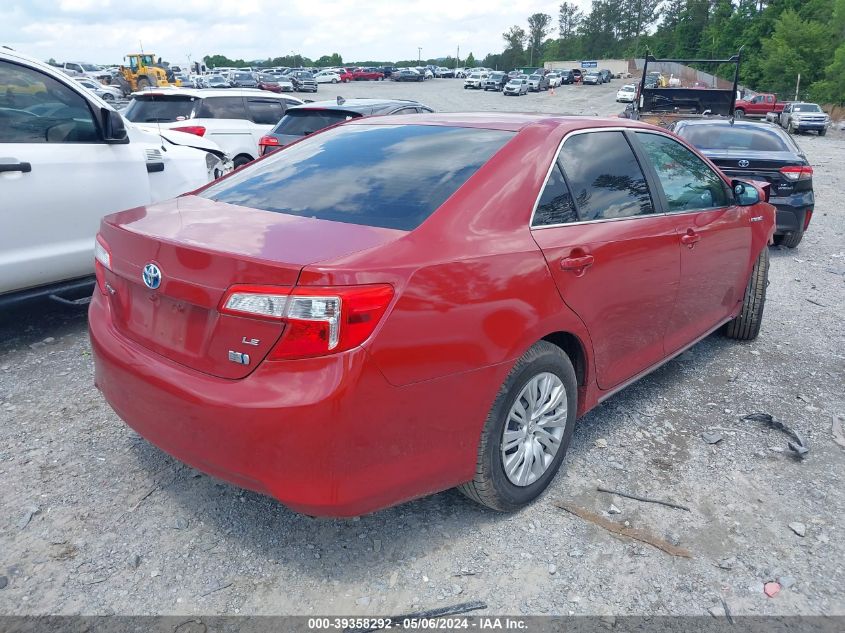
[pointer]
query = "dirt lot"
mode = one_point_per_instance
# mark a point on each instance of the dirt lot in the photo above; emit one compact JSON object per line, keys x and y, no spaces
{"x":96,"y":520}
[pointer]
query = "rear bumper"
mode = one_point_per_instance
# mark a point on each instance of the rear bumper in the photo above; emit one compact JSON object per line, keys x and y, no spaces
{"x":325,"y":436}
{"x":791,"y":212}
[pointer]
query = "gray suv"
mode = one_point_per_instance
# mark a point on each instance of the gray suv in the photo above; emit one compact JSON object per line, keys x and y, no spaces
{"x":495,"y":81}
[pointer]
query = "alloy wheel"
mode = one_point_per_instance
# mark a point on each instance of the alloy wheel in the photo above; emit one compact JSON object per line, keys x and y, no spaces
{"x":534,"y":429}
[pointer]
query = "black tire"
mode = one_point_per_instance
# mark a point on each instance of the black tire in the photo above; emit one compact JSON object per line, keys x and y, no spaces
{"x":490,"y":486}
{"x":334,"y":81}
{"x":790,"y":128}
{"x":739,"y":113}
{"x":746,"y":325}
{"x":790,"y":240}
{"x":143,"y":83}
{"x":240,"y":160}
{"x":822,"y":132}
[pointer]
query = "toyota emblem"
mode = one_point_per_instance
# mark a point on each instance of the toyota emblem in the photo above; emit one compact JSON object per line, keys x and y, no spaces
{"x":151,"y":276}
{"x":743,"y":163}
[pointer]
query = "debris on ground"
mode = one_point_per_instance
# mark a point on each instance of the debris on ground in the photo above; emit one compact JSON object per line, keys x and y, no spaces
{"x":601,"y":443}
{"x":799,"y":528}
{"x":457,"y":609}
{"x":30,"y":512}
{"x":218,"y":587}
{"x":836,"y":430}
{"x":622,"y":530}
{"x":727,"y":611}
{"x":628,"y":495}
{"x":712,"y":438}
{"x":798,"y":448}
{"x":771,"y":589}
{"x":613,"y":510}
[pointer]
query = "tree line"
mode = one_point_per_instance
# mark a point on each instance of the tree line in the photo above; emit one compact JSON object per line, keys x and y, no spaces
{"x":780,"y":39}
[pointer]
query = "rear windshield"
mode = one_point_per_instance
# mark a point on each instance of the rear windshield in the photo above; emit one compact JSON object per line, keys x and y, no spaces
{"x":160,"y":108}
{"x":760,"y":139}
{"x":242,"y":76}
{"x":391,"y":176}
{"x":303,"y":122}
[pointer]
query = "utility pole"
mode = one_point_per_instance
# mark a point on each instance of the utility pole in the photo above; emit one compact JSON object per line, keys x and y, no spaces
{"x":458,"y":58}
{"x":797,"y":86}
{"x":419,"y":54}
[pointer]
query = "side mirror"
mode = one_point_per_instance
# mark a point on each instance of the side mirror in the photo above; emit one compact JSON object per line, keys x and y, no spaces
{"x":745,"y":194}
{"x":114,"y":129}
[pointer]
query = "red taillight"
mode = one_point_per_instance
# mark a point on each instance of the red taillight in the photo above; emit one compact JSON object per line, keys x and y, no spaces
{"x":102,"y":262}
{"x":198,"y":130}
{"x":797,"y":172}
{"x":807,"y":217}
{"x":318,"y":320}
{"x":268,"y":140}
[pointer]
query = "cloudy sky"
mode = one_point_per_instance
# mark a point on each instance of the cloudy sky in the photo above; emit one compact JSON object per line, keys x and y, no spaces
{"x":104,"y":30}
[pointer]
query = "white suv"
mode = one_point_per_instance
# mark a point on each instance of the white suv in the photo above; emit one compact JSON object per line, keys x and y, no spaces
{"x":234,"y":118}
{"x":475,"y":80}
{"x":67,"y":158}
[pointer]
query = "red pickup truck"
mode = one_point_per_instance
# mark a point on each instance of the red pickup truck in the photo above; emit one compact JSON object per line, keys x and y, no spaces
{"x":759,"y":106}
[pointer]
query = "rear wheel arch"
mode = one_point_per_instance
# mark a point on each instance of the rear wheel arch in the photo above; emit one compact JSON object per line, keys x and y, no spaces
{"x":574,"y":349}
{"x":242,"y":159}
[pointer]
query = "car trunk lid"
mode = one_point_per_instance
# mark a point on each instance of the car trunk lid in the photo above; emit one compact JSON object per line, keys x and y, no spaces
{"x":763,"y":166}
{"x":201,"y":248}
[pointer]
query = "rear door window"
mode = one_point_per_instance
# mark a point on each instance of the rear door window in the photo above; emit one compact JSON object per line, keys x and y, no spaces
{"x":688,"y":183}
{"x":160,"y":108}
{"x":606,"y":179}
{"x":222,"y":108}
{"x":555,"y":205}
{"x":266,"y":111}
{"x":391,"y":176}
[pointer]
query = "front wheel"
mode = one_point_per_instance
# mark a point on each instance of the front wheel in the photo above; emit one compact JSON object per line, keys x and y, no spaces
{"x":334,"y":81}
{"x":746,"y":325}
{"x":790,"y":128}
{"x":107,"y":96}
{"x":527,"y":431}
{"x":738,"y":114}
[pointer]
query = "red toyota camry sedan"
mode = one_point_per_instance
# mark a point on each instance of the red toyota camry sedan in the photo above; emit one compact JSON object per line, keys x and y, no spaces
{"x":397,"y":306}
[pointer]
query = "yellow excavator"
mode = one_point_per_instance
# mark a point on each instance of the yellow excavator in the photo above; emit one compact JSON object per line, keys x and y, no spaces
{"x":144,"y":72}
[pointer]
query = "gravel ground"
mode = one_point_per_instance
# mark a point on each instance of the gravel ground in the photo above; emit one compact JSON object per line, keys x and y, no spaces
{"x":96,"y":520}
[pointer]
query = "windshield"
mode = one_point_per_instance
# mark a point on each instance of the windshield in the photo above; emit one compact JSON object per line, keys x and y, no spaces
{"x":160,"y":108}
{"x":806,"y":107}
{"x":391,"y":176}
{"x":91,"y":68}
{"x":535,"y":77}
{"x":627,"y":88}
{"x":242,"y":76}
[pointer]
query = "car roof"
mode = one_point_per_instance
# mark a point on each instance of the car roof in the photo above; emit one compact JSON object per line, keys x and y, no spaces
{"x":356,"y":105}
{"x":727,"y":123}
{"x":211,"y":92}
{"x":508,"y":121}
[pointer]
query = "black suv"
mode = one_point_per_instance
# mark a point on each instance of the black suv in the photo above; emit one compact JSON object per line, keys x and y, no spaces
{"x":566,"y":77}
{"x":758,"y":151}
{"x":495,"y":81}
{"x":387,"y":71}
{"x":306,"y":119}
{"x":606,"y":75}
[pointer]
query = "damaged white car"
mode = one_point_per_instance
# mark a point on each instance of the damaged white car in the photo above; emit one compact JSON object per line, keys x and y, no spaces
{"x":66,"y":159}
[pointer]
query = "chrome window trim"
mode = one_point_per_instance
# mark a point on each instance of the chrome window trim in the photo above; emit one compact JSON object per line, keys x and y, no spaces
{"x":623,"y":129}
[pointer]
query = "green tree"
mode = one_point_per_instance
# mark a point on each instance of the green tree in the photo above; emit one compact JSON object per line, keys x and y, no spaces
{"x":796,"y":47}
{"x":568,"y":20}
{"x":470,"y":61}
{"x":538,"y":28}
{"x":514,"y":53}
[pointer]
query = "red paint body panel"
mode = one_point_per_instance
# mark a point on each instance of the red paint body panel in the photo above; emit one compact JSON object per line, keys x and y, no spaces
{"x":473,"y":288}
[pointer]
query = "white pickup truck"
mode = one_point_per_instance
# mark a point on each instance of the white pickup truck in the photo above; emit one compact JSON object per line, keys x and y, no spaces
{"x":67,"y":158}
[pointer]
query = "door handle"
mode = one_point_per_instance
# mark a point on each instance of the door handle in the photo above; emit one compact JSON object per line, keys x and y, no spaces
{"x":690,"y":238}
{"x":22,"y":167}
{"x":577,"y":264}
